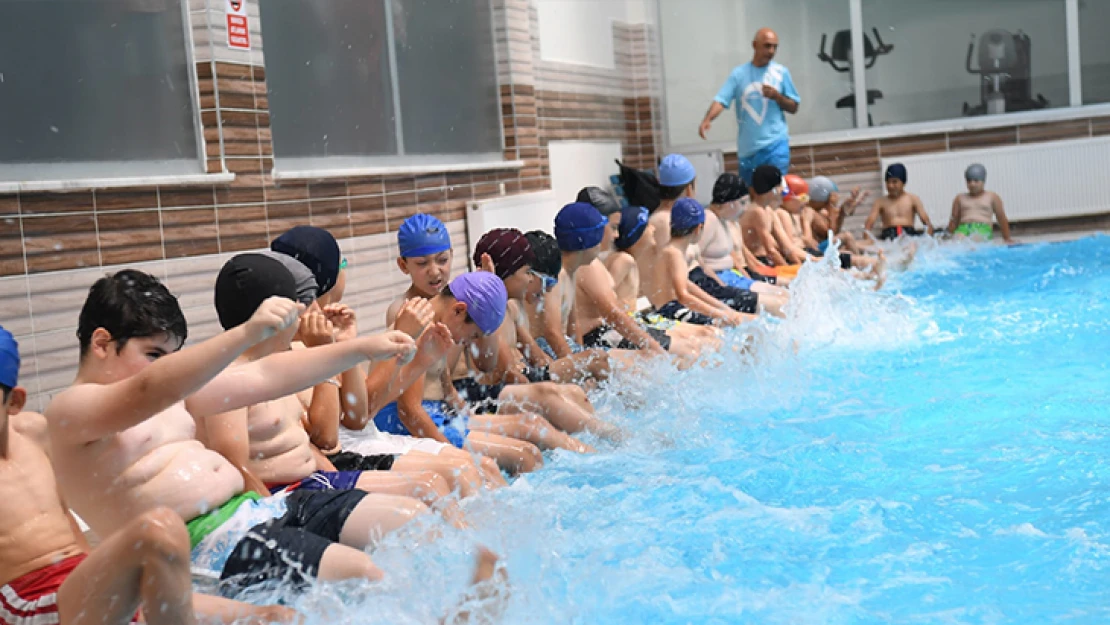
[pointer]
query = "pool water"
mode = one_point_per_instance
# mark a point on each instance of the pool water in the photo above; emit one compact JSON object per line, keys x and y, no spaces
{"x":935,"y":452}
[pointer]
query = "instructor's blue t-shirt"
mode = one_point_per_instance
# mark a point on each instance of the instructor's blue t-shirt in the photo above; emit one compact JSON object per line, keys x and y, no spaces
{"x":762,"y":122}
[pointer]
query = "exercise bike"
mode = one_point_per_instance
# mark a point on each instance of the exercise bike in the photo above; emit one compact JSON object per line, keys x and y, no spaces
{"x":1005,"y":64}
{"x":841,"y":61}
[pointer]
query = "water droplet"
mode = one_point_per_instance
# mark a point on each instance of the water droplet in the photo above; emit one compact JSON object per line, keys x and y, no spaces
{"x":54,"y":129}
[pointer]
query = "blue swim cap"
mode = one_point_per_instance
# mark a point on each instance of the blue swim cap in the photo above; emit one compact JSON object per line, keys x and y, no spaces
{"x":634,"y":220}
{"x":422,"y":235}
{"x":676,"y":171}
{"x":897,"y":170}
{"x":687,"y":213}
{"x":579,"y":226}
{"x":485,"y":297}
{"x":9,"y":359}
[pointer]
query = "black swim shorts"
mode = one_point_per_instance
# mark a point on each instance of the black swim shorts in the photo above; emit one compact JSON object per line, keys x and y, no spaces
{"x":893,"y":232}
{"x":482,"y":398}
{"x":602,"y":337}
{"x":350,"y":461}
{"x":740,"y":300}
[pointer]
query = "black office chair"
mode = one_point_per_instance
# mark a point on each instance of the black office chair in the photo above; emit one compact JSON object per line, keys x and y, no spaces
{"x":841,"y":61}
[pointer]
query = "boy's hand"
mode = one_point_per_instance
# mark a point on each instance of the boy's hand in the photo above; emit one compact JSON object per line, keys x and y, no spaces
{"x":415,"y":315}
{"x":342,"y":319}
{"x":273,"y":315}
{"x":434,"y":344}
{"x":388,"y":345}
{"x":316,"y":330}
{"x":487,"y":264}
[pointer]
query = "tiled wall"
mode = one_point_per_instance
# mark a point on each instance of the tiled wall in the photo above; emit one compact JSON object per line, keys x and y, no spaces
{"x":54,"y":245}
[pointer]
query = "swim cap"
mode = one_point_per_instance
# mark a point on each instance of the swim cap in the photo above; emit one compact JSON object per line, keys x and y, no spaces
{"x":601,"y":199}
{"x":976,"y":172}
{"x":422,"y":235}
{"x":317,"y":249}
{"x":548,"y":261}
{"x":797,"y":186}
{"x":728,"y":188}
{"x":641,"y":188}
{"x":245,"y":282}
{"x":508,"y":248}
{"x":820,"y":188}
{"x":634,"y":220}
{"x":579,"y":226}
{"x":896,"y":170}
{"x":765,"y":178}
{"x":676,"y":171}
{"x":687,"y":213}
{"x":485,"y":298}
{"x":305,"y":281}
{"x":9,"y":359}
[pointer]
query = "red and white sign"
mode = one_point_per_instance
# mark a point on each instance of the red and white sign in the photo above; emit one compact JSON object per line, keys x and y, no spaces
{"x":238,"y":33}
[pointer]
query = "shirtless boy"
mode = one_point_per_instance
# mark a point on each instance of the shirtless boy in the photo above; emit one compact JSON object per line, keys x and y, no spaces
{"x":974,"y":211}
{"x":48,"y":575}
{"x":899,"y":210}
{"x":425,"y":257}
{"x":549,"y":316}
{"x":761,"y":231}
{"x":826,"y":213}
{"x":470,"y":306}
{"x":124,"y":435}
{"x":269,"y":438}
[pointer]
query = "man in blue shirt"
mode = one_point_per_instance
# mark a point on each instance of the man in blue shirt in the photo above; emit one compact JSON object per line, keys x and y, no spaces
{"x":762,"y":90}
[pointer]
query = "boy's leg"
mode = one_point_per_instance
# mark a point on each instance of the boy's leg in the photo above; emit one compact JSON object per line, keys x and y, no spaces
{"x":592,"y":363}
{"x":527,"y":427}
{"x":375,"y":516}
{"x":146,"y":561}
{"x":512,"y":455}
{"x":426,"y":486}
{"x":491,"y":473}
{"x":461,"y":475}
{"x":561,"y":410}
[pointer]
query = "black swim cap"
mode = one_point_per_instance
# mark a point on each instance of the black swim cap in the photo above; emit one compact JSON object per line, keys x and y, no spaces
{"x":245,"y":282}
{"x":896,"y":170}
{"x":317,"y":249}
{"x":549,"y":260}
{"x":728,"y":188}
{"x":765,"y":178}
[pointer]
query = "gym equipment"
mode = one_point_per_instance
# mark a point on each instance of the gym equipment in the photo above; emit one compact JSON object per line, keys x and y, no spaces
{"x":1005,"y":67}
{"x":842,"y":54}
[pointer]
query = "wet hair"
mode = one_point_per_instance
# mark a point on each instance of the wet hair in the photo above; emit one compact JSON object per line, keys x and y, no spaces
{"x":682,"y":232}
{"x":130,"y":304}
{"x":672,"y":193}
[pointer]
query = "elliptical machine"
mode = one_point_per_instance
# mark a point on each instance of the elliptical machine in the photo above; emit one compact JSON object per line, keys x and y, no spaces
{"x":1005,"y":66}
{"x":842,"y":53}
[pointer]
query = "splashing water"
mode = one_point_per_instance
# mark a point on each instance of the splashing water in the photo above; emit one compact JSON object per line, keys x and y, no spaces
{"x":934,"y":455}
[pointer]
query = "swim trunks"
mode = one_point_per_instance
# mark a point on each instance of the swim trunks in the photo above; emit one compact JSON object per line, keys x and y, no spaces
{"x":290,"y":548}
{"x":482,"y":398}
{"x":537,"y":374}
{"x":451,"y":425}
{"x":606,"y":337}
{"x":350,"y":461}
{"x":893,"y":232}
{"x":546,"y":347}
{"x":735,"y":279}
{"x":371,"y":443}
{"x":651,"y":319}
{"x":32,"y":599}
{"x":321,"y":480}
{"x":739,"y":300}
{"x":675,"y":310}
{"x":977,"y":230}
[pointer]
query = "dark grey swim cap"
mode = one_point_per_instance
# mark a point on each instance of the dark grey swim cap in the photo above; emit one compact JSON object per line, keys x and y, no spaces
{"x":976,"y":172}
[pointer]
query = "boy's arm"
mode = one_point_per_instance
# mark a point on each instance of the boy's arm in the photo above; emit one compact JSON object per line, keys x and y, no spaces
{"x":1000,"y":214}
{"x":227,"y":435}
{"x":412,"y":414}
{"x":387,"y":380}
{"x":322,"y":462}
{"x":88,"y":412}
{"x":531,"y":350}
{"x":605,"y":302}
{"x":228,"y":612}
{"x":286,"y":373}
{"x":323,"y":415}
{"x":786,"y":242}
{"x":919,"y":208}
{"x":871,"y":218}
{"x":675,"y":268}
{"x":954,"y":221}
{"x":553,"y":322}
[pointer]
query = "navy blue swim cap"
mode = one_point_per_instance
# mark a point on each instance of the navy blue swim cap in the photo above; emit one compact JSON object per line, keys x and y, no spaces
{"x":634,"y":220}
{"x":687,"y":213}
{"x":896,"y":170}
{"x":579,"y":226}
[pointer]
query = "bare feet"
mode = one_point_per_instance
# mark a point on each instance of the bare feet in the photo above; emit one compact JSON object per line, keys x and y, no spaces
{"x":485,"y":602}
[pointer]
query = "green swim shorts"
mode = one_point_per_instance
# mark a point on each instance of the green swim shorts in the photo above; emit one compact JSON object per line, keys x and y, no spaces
{"x":976,"y":230}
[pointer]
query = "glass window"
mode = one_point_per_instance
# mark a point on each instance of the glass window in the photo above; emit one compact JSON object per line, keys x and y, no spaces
{"x":1094,"y":50}
{"x":330,"y":74}
{"x":704,"y":40}
{"x":955,"y":58}
{"x":95,"y":89}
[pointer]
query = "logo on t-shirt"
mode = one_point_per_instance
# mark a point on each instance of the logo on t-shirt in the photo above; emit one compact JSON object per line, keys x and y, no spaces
{"x":753,"y":94}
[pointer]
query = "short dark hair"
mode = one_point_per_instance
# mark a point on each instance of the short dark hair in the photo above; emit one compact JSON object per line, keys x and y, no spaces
{"x":681,"y":232}
{"x":446,"y":292}
{"x":130,"y":304}
{"x":672,"y":193}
